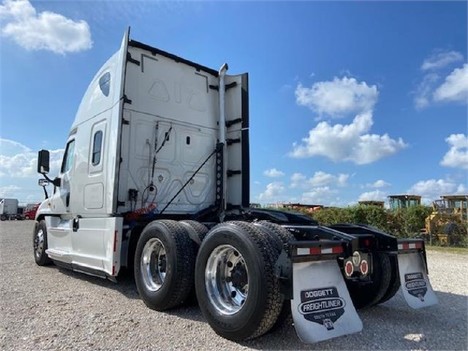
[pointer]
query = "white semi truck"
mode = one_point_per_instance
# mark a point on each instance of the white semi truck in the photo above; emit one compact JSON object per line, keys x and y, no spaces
{"x":155,"y":179}
{"x":9,"y":209}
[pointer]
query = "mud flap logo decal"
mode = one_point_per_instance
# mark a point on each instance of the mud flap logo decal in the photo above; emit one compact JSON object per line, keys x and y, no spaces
{"x":416,"y":285}
{"x":322,"y":306}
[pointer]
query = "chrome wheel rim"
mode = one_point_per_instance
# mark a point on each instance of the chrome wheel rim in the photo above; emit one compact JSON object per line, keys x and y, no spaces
{"x":153,"y":264}
{"x":226,"y":280}
{"x":39,"y":243}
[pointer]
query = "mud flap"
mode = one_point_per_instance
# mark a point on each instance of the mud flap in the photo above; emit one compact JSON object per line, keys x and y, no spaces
{"x":415,"y":284}
{"x":322,"y":308}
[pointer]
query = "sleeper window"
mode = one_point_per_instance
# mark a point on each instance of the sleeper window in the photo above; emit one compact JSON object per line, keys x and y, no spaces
{"x":97,"y":148}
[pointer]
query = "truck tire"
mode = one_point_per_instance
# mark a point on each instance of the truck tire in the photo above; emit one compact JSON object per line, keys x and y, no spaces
{"x":196,"y":230}
{"x":369,"y":294}
{"x":235,"y":281}
{"x":40,"y":244}
{"x":394,"y":280}
{"x":164,"y":264}
{"x":285,"y":236}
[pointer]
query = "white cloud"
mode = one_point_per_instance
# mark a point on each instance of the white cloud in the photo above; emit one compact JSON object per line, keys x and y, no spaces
{"x":18,"y":161}
{"x":350,"y":142}
{"x":441,"y":59}
{"x":29,"y":193}
{"x":272,"y":191}
{"x":43,"y":31}
{"x":338,"y":98}
{"x":18,"y":176}
{"x":273,"y":173}
{"x":319,"y":196}
{"x":9,"y":191}
{"x":343,"y":142}
{"x":455,"y":86}
{"x":457,"y":156}
{"x":424,"y":90}
{"x":319,"y":179}
{"x":432,"y":188}
{"x":380,"y":184}
{"x":453,"y":89}
{"x":297,"y":180}
{"x":320,"y":188}
{"x":376,"y":195}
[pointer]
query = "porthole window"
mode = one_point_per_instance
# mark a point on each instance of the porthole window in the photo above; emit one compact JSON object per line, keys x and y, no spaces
{"x":104,"y":83}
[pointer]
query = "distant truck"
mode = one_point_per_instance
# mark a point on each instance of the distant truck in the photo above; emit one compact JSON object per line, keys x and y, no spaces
{"x":155,"y":179}
{"x":30,"y":211}
{"x":9,"y":209}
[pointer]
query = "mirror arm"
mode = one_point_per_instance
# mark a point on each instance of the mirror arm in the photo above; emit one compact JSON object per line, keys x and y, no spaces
{"x":45,"y":192}
{"x":55,"y":182}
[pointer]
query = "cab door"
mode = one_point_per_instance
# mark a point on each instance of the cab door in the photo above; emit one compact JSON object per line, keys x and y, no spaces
{"x":59,"y":227}
{"x":66,"y":175}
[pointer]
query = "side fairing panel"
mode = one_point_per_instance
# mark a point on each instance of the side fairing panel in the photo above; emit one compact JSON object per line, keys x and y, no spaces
{"x":238,"y":163}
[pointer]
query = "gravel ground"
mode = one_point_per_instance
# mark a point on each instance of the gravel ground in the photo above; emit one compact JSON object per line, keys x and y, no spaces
{"x":46,"y":308}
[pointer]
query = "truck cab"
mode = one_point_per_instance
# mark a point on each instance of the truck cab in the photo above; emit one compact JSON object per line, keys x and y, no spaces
{"x":146,"y":139}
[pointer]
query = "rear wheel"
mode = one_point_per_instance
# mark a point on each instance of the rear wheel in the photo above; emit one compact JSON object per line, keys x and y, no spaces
{"x":368,"y":294}
{"x":196,"y":230}
{"x":235,"y":281}
{"x":284,"y":236}
{"x":394,"y":280}
{"x":40,"y":244}
{"x":164,"y":263}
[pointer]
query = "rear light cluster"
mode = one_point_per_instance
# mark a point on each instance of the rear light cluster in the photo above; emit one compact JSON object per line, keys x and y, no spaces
{"x":357,"y":264}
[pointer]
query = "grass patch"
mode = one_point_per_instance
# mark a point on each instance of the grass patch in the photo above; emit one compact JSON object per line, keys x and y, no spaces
{"x":453,"y":250}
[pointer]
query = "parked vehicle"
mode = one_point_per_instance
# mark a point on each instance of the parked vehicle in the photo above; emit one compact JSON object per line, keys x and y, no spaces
{"x":155,"y":178}
{"x":448,"y":222}
{"x":9,"y":209}
{"x":30,"y":211}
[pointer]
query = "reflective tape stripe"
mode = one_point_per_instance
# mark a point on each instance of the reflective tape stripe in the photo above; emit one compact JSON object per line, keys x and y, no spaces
{"x":301,"y":251}
{"x":410,"y":246}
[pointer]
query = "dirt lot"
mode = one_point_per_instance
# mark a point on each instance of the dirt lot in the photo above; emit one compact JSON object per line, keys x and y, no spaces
{"x":46,"y":308}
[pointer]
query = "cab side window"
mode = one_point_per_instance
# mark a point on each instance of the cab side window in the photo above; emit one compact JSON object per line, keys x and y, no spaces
{"x":97,"y":148}
{"x":67,"y":163}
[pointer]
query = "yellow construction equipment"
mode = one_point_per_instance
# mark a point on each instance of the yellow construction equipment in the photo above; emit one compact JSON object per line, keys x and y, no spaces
{"x":447,"y":224}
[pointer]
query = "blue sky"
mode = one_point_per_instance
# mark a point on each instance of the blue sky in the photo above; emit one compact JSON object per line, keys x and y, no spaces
{"x":348,"y":100}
